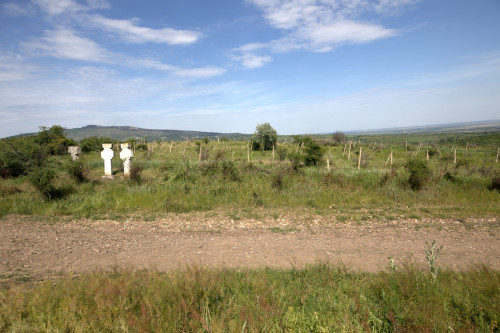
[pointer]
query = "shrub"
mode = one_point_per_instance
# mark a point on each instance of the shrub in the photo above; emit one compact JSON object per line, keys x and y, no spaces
{"x":42,"y":180}
{"x":77,"y":171}
{"x":313,"y":153}
{"x":296,"y":160}
{"x":281,"y":152}
{"x":419,"y":173}
{"x":53,"y":139}
{"x":495,"y":183}
{"x":229,"y":171}
{"x":136,"y":173}
{"x":18,"y":155}
{"x":93,"y":143}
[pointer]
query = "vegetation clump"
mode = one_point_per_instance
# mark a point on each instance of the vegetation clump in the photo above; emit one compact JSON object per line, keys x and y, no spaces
{"x":78,"y":171}
{"x":42,"y":180}
{"x":419,"y":173}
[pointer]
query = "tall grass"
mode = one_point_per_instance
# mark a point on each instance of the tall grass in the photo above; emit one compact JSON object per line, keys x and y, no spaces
{"x":319,"y":298}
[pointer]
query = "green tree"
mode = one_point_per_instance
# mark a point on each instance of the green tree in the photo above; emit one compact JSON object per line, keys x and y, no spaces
{"x":265,"y":137}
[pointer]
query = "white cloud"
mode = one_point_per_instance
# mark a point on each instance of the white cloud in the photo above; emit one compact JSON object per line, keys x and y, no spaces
{"x":250,"y":60}
{"x":58,"y":7}
{"x":318,"y":25}
{"x":202,"y":72}
{"x":14,"y":9}
{"x":128,"y":30}
{"x":98,"y":4}
{"x":14,"y":68}
{"x":65,"y":44}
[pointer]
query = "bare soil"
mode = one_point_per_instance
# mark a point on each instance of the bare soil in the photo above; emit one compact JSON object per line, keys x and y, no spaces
{"x":33,"y":249}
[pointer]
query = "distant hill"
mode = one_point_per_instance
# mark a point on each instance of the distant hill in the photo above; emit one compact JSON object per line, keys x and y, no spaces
{"x":466,"y":127}
{"x":126,"y":132}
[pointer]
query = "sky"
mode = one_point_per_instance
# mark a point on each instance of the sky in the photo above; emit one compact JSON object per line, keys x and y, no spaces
{"x":304,"y":66}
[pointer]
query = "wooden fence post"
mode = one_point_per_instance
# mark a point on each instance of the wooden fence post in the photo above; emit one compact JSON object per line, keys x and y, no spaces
{"x":328,"y":164}
{"x":349,"y":154}
{"x":359,"y":160}
{"x":455,"y":157}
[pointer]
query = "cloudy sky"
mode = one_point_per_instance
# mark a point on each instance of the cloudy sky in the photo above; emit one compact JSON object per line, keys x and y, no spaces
{"x":305,"y":66}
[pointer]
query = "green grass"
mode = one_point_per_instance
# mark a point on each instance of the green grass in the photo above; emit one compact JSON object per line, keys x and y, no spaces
{"x":177,"y":182}
{"x":319,"y":298}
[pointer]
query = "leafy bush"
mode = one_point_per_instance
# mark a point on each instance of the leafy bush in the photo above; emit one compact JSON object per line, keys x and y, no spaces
{"x":281,"y":152}
{"x":54,"y":140}
{"x":419,"y":173}
{"x":18,"y":155}
{"x":42,"y":180}
{"x":77,"y":171}
{"x":93,"y":143}
{"x":296,"y":160}
{"x":313,"y":153}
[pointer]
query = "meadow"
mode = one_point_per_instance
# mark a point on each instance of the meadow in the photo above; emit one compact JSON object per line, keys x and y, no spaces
{"x":174,"y":177}
{"x":365,"y":178}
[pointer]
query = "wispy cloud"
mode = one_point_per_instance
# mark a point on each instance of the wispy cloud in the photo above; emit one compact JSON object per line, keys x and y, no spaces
{"x":201,"y":72}
{"x":131,"y":32}
{"x":250,"y":60}
{"x":58,"y":7}
{"x":13,"y":67}
{"x":66,"y":44}
{"x":317,"y":25}
{"x":128,"y":30}
{"x":14,"y":9}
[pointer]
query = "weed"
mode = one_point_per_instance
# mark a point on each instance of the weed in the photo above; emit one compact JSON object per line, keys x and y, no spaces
{"x":136,"y":173}
{"x":432,"y":254}
{"x":229,"y":171}
{"x":277,"y":180}
{"x":317,"y":298}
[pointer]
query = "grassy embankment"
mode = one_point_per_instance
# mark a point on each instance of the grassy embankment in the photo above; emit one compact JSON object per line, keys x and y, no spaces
{"x":320,"y":298}
{"x":175,"y":180}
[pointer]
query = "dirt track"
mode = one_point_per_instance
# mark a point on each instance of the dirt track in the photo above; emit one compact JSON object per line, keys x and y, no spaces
{"x":40,"y":249}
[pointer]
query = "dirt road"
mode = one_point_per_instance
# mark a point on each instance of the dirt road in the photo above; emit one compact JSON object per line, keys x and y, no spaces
{"x":36,"y":249}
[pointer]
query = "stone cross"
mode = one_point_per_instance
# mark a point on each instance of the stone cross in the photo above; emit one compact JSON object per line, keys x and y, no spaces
{"x":126,"y":155}
{"x":75,"y":152}
{"x":107,"y":154}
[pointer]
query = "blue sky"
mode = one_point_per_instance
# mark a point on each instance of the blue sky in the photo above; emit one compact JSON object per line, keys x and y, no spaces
{"x":305,"y":66}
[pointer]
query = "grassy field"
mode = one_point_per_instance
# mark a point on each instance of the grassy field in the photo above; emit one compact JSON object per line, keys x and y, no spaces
{"x":227,"y":179}
{"x":226,"y":176}
{"x":320,"y":298}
